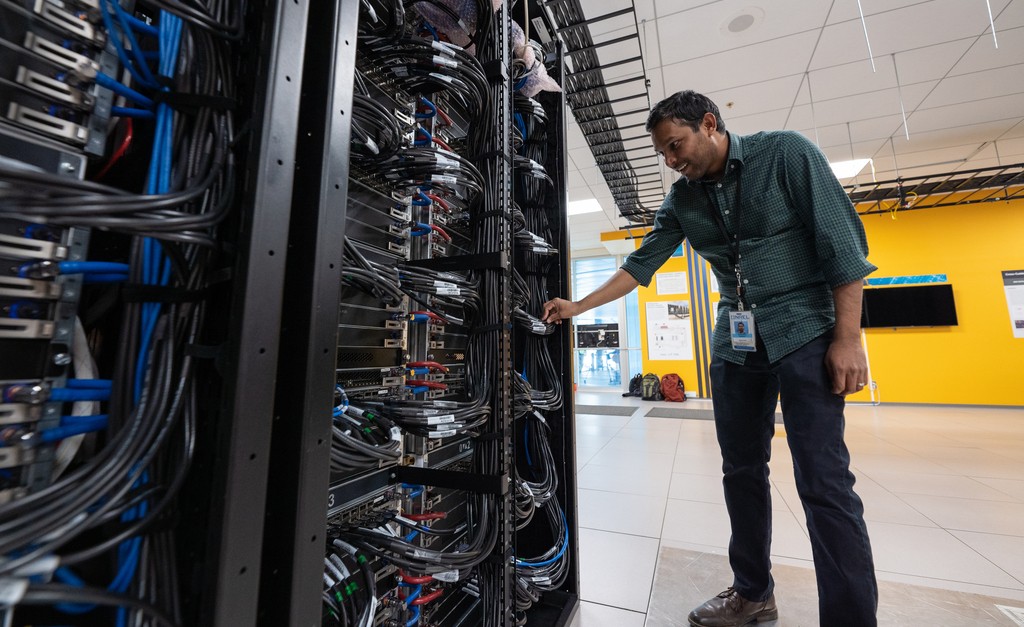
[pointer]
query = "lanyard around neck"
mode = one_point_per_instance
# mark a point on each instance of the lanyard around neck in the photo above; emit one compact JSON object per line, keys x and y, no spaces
{"x":732,"y":241}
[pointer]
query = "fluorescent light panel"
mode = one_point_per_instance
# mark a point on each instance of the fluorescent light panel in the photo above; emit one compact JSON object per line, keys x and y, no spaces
{"x":848,"y":169}
{"x":578,"y":207}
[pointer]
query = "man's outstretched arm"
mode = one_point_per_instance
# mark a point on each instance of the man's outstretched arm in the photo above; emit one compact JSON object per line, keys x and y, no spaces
{"x":620,"y":284}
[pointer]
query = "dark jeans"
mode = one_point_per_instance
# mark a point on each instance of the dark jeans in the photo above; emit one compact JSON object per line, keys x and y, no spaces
{"x":744,"y":400}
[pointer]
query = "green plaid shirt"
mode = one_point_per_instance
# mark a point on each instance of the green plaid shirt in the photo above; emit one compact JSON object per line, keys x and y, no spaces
{"x":800,"y":238}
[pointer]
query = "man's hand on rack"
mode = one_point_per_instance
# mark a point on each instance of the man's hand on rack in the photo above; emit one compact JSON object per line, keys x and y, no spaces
{"x":558,"y":309}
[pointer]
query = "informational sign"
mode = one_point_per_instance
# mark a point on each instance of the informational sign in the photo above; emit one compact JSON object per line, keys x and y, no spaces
{"x":670,"y":283}
{"x":669,"y":334}
{"x":1013,"y":285}
{"x":915,"y":279}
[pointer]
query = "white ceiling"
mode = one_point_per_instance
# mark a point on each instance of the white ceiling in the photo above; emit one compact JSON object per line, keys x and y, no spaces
{"x":964,"y":98}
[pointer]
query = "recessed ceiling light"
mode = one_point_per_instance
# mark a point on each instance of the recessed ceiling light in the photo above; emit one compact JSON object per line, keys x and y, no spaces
{"x":848,"y":169}
{"x":577,"y":207}
{"x":742,"y":21}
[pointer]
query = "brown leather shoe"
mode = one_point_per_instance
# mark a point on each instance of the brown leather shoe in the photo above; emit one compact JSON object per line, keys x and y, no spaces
{"x":729,"y":609}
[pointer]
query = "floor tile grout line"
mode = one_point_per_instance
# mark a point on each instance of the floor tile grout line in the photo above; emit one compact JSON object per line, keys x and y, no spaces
{"x":661,"y":532}
{"x":959,"y":581}
{"x":614,"y":607}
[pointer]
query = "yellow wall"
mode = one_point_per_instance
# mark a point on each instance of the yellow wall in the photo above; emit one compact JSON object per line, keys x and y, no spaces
{"x":977,"y":362}
{"x":687,"y":370}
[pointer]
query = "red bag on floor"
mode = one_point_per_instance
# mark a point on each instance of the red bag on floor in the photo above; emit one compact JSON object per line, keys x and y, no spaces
{"x":672,"y":388}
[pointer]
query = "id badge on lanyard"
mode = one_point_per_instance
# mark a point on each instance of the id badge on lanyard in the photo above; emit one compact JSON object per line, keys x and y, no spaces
{"x":741,"y":331}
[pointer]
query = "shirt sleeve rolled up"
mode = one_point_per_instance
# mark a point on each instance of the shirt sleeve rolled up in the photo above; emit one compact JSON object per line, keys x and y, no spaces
{"x":658,"y":244}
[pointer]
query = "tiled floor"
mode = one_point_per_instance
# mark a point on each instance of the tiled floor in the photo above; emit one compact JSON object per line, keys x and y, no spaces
{"x":943,"y":489}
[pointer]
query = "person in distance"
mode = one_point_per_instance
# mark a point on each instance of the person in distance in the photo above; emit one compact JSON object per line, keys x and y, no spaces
{"x":790,"y":255}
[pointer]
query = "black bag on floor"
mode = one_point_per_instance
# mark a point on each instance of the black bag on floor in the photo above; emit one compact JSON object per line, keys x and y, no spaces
{"x":636,"y":386}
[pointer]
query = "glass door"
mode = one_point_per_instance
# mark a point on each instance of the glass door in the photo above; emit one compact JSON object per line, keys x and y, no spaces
{"x":598,"y":340}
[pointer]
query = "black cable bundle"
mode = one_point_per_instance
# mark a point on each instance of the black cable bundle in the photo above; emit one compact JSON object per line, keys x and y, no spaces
{"x":421,"y":66}
{"x":370,"y":277}
{"x":108,"y":508}
{"x":350,"y":587}
{"x":547,"y":571}
{"x":376,"y":134}
{"x":476,"y":547}
{"x":361,"y":439}
{"x":539,"y":388}
{"x":381,"y":18}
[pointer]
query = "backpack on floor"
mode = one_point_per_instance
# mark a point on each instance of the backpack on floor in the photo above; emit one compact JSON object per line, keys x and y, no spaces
{"x":636,"y":386}
{"x":672,"y":388}
{"x":651,"y":387}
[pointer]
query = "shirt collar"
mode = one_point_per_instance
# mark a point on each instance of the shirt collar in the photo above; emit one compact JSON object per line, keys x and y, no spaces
{"x":735,"y":149}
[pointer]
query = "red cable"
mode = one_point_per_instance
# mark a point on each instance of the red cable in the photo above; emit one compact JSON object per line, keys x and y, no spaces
{"x":441,"y":201}
{"x":427,"y":516}
{"x":447,"y":119}
{"x":442,"y":144}
{"x":432,"y":315}
{"x":427,"y":598}
{"x":434,"y":385}
{"x":123,"y":148}
{"x":444,"y":234}
{"x":418,"y":579}
{"x":433,"y":365}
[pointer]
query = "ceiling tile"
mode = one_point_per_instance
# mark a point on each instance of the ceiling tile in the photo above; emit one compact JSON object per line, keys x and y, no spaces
{"x":920,"y":25}
{"x":957,"y":115}
{"x":983,"y":55}
{"x":769,"y":95}
{"x":1011,"y":149}
{"x":1015,"y":132}
{"x":579,"y":193}
{"x":1012,"y":16}
{"x":981,"y":85}
{"x":857,"y":107}
{"x":845,"y":11}
{"x":704,"y":30}
{"x":583,"y":158}
{"x":742,"y":66}
{"x":574,"y":137}
{"x":747,"y":124}
{"x":917,"y":66}
{"x":976,"y":134}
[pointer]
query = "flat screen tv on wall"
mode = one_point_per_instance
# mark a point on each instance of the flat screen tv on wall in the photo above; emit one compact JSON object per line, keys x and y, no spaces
{"x":909,"y":306}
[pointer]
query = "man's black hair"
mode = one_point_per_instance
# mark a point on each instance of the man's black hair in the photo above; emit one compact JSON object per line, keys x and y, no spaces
{"x":685,"y":107}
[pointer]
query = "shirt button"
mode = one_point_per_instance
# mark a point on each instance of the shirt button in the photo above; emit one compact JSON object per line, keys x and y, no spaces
{"x":719,"y":185}
{"x":745,"y":281}
{"x":752,"y":306}
{"x":726,"y":212}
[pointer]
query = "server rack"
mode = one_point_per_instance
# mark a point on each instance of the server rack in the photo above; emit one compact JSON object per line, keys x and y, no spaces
{"x":367,"y":348}
{"x":252,"y":517}
{"x":193,"y":534}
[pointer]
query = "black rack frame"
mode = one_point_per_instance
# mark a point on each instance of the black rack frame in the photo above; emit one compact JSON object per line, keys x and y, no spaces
{"x":228,"y":500}
{"x":298,"y":488}
{"x":296,"y":514}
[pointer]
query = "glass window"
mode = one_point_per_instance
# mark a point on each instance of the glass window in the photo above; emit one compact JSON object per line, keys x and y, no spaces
{"x":597,"y":338}
{"x":588,"y":274}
